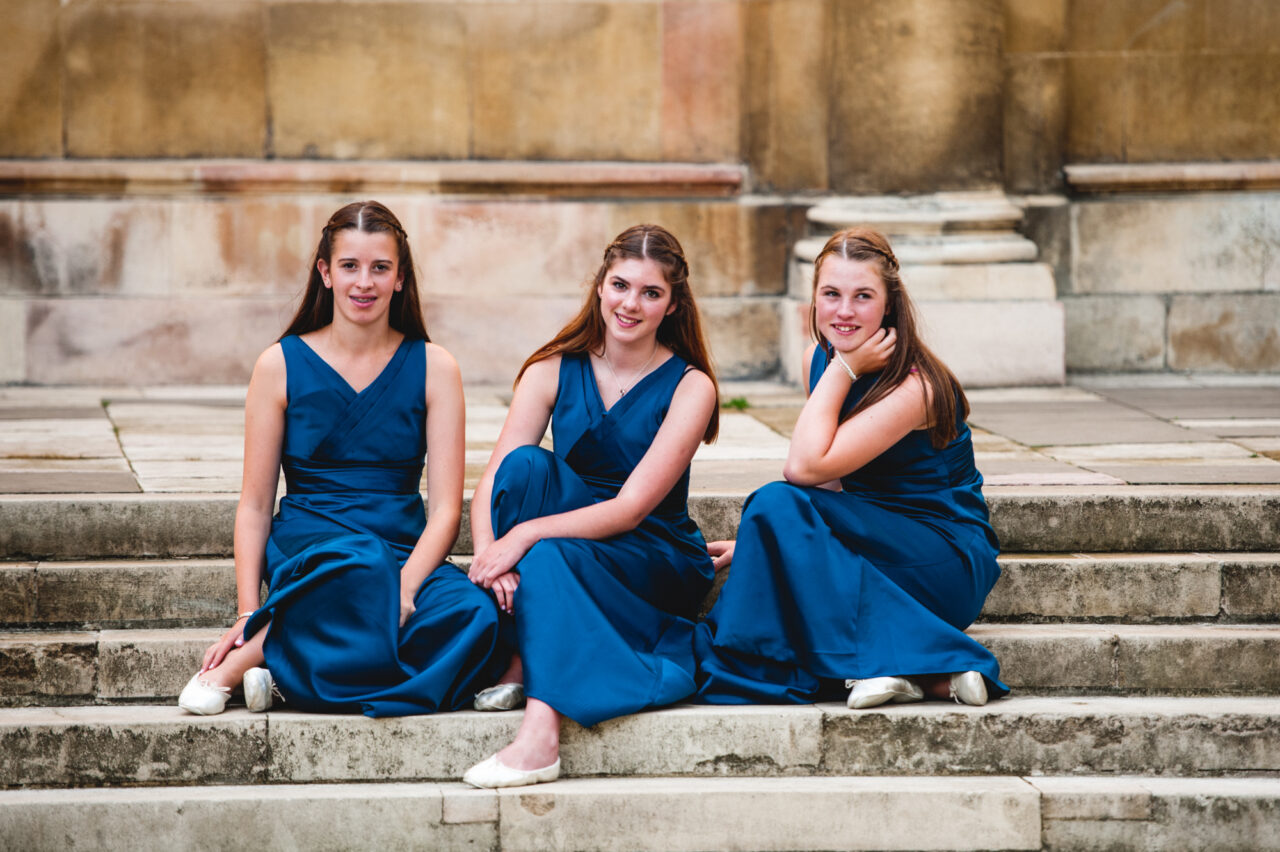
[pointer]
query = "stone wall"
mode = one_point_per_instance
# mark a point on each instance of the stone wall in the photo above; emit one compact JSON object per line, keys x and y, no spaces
{"x":814,"y":95}
{"x":109,"y":270}
{"x":1137,"y":81}
{"x":1158,"y":270}
{"x":185,"y":278}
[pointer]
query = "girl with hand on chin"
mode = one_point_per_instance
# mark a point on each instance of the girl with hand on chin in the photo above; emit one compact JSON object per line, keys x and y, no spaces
{"x":362,"y":612}
{"x":591,"y":547}
{"x":863,"y":569}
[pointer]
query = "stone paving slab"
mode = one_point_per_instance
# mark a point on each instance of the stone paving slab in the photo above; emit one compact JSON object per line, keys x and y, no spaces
{"x":1077,"y":422}
{"x":162,"y":745}
{"x":186,"y":439}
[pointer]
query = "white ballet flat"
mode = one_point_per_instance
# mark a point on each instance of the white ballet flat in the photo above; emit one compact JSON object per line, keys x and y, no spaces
{"x":874,"y":691}
{"x":504,"y":696}
{"x":491,"y":772}
{"x":259,"y":690}
{"x":968,"y":688}
{"x":203,"y":699}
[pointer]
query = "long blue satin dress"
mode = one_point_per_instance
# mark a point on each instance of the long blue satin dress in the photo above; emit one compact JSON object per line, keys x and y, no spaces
{"x":880,"y":578}
{"x":351,"y":517}
{"x":604,"y":627}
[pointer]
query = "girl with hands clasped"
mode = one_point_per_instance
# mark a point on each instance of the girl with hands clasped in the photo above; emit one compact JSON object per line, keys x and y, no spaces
{"x":362,"y":611}
{"x":591,"y":546}
{"x":863,"y":568}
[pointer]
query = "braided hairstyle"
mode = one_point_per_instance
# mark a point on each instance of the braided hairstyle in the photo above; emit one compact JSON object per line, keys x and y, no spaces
{"x":316,"y":310}
{"x":680,"y":331}
{"x":946,"y":397}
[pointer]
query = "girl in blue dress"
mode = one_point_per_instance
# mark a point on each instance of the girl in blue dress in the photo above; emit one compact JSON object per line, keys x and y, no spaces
{"x":590,"y":547}
{"x":863,"y":568}
{"x":362,"y":612}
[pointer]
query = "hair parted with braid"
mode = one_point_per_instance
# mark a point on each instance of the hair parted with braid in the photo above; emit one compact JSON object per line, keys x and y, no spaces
{"x":316,"y":310}
{"x":680,"y":331}
{"x":910,"y":352}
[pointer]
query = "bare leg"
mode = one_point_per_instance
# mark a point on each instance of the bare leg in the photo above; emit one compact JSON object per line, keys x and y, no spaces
{"x":230,"y":672}
{"x":514,"y":672}
{"x":935,"y":686}
{"x":537,"y":743}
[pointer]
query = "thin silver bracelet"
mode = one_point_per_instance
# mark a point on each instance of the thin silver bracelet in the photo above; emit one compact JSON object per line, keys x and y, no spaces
{"x":853,"y":377}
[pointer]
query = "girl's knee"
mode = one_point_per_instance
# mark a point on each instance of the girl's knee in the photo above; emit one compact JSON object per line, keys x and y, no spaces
{"x":769,"y":498}
{"x":524,"y":465}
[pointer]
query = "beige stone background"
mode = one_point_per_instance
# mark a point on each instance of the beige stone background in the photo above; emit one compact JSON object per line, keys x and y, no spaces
{"x":165,"y":165}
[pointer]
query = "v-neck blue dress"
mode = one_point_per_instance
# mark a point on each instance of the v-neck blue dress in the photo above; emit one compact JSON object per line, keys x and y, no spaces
{"x":352,"y":515}
{"x":880,"y":578}
{"x":604,"y":627}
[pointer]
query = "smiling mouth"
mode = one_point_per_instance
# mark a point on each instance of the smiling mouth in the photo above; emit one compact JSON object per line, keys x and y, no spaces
{"x":626,"y":322}
{"x":844,"y":329}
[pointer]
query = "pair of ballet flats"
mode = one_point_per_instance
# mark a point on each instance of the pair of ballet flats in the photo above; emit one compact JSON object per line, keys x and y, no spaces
{"x":207,"y":699}
{"x":964,"y":688}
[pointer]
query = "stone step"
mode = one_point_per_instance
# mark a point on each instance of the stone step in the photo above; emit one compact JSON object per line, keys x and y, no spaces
{"x":1132,"y":588}
{"x":1040,"y":519}
{"x":123,"y":666}
{"x":163,"y":746}
{"x":854,"y":813}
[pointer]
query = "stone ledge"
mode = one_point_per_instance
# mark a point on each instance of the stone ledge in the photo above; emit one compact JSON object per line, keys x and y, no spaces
{"x":457,"y":177}
{"x":1074,"y":735}
{"x":1039,"y":519}
{"x":139,"y":594}
{"x":988,"y":812}
{"x":115,"y":666}
{"x":1172,"y":177}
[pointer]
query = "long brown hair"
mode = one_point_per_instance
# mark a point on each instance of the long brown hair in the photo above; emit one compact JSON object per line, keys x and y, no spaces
{"x":680,"y":331}
{"x":316,"y":310}
{"x":868,"y":244}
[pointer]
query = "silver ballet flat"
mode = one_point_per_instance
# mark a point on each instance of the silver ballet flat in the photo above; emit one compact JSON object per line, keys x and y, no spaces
{"x":491,"y":772}
{"x":504,"y":696}
{"x":968,"y":688}
{"x":874,"y":691}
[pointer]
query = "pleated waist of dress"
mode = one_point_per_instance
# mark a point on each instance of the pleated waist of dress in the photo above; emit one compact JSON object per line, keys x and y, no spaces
{"x":673,"y":507}
{"x":315,"y":477}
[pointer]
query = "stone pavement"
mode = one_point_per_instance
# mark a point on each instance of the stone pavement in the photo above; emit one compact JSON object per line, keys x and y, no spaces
{"x":1097,"y":431}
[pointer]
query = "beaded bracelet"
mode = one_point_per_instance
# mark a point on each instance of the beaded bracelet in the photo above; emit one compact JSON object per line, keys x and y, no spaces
{"x":853,"y":377}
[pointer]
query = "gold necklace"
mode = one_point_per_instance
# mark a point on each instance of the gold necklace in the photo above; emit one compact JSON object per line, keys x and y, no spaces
{"x":622,"y":391}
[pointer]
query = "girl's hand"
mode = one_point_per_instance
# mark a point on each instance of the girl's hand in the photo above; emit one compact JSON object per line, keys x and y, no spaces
{"x":500,"y":557}
{"x":504,"y":589}
{"x":721,"y":553}
{"x":873,"y":353}
{"x":233,"y":638}
{"x":407,"y":607}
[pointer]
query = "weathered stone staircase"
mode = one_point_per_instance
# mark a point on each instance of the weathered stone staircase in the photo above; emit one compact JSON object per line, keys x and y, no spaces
{"x":1144,"y":714}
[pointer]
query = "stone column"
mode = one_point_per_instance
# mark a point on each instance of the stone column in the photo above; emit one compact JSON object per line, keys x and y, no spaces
{"x":915,"y":95}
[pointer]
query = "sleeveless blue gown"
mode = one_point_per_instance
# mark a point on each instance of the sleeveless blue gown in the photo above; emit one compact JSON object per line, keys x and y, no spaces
{"x":878,"y":579}
{"x":351,"y":517}
{"x":605,"y":628}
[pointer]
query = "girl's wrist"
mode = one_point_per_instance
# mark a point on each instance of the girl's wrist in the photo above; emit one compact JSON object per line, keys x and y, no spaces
{"x":844,"y":365}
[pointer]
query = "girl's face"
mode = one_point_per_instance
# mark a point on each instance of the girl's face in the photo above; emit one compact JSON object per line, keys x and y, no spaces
{"x":850,"y":301}
{"x":634,"y":297}
{"x":363,"y":273}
